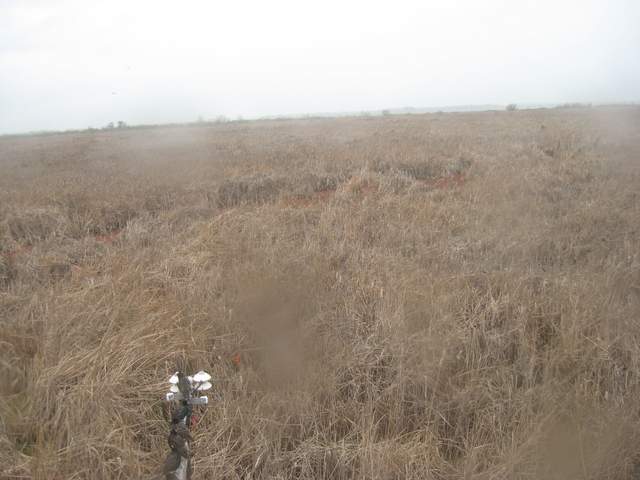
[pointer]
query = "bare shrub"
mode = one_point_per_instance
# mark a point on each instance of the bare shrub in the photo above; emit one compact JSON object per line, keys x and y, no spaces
{"x":565,"y":145}
{"x":420,"y":171}
{"x":249,"y":190}
{"x":30,"y":226}
{"x":396,"y":182}
{"x":7,"y":271}
{"x":458,"y":166}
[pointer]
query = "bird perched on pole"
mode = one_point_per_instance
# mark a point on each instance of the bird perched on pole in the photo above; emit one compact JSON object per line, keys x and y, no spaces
{"x":184,"y":385}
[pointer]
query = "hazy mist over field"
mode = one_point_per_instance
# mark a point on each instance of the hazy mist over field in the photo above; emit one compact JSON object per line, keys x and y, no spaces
{"x":413,"y":274}
{"x":74,"y":64}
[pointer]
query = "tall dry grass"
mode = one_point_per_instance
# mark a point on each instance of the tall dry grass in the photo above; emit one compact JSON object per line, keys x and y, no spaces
{"x":439,"y":296}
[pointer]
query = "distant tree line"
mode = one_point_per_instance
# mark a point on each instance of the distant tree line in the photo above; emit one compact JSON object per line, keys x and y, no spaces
{"x":111,"y":125}
{"x":575,"y":105}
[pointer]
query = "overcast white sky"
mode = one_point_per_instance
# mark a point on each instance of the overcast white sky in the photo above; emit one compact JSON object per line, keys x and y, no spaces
{"x":78,"y":63}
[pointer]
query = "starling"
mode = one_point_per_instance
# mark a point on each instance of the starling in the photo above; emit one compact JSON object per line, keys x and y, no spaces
{"x":184,"y":385}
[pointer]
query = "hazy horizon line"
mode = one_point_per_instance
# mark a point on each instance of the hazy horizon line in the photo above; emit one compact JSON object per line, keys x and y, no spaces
{"x":406,"y":110}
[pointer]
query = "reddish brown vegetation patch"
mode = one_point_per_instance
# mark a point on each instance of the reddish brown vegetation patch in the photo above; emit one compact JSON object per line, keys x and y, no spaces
{"x":361,"y":186}
{"x":450,"y":181}
{"x":305,"y":201}
{"x":110,"y":237}
{"x":22,"y":249}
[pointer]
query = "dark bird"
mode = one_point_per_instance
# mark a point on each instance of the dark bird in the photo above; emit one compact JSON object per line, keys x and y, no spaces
{"x":184,"y":385}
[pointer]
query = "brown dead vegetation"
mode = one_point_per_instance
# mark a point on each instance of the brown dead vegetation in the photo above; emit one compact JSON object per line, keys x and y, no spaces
{"x":424,"y":297}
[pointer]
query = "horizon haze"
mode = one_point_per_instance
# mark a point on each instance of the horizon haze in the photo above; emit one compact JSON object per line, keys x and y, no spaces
{"x":68,"y":64}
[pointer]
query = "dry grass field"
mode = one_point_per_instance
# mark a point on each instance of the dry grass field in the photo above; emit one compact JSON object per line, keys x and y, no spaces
{"x":442,"y":296}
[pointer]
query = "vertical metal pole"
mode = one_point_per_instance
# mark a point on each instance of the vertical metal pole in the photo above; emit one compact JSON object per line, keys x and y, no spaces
{"x":178,"y":463}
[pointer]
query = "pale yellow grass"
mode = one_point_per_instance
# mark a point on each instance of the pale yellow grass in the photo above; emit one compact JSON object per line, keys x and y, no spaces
{"x":442,"y":296}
